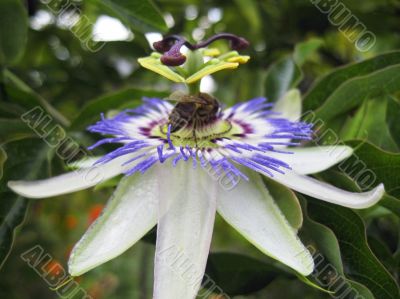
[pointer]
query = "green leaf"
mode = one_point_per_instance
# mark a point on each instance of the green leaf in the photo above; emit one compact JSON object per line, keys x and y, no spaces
{"x":391,"y":203}
{"x":369,"y":123}
{"x":383,"y":253}
{"x":13,"y":129}
{"x":369,"y":165}
{"x":287,"y":202}
{"x":237,"y":274}
{"x":13,"y":32}
{"x":321,"y":239}
{"x":324,"y":246}
{"x":27,"y":159}
{"x":282,"y":76}
{"x":305,"y":50}
{"x":140,"y":15}
{"x":90,"y":113}
{"x":22,"y":94}
{"x":347,"y":87}
{"x":250,"y":11}
{"x":360,"y":263}
{"x":3,"y":158}
{"x":362,"y":290}
{"x":393,"y":117}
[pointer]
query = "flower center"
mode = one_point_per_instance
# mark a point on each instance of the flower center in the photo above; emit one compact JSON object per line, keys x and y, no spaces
{"x":203,"y":137}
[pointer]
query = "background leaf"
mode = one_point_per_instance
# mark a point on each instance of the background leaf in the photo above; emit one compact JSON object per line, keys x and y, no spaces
{"x":361,"y":264}
{"x":19,"y":165}
{"x":369,"y":123}
{"x":237,"y":274}
{"x":19,"y":92}
{"x":13,"y":17}
{"x":380,"y":167}
{"x":393,"y":116}
{"x":305,"y":50}
{"x":3,"y":158}
{"x":140,"y":15}
{"x":327,"y":85}
{"x":12,"y":129}
{"x":281,"y":76}
{"x":348,"y":87}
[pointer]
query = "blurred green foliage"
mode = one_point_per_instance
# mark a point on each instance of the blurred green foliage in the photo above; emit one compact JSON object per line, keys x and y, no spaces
{"x":47,"y":60}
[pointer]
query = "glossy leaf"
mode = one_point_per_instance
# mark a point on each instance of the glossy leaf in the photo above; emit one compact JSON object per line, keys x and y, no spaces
{"x":391,"y":203}
{"x":238,"y":274}
{"x":19,"y":92}
{"x":140,"y":15}
{"x":327,"y":85}
{"x":3,"y":158}
{"x":305,"y":50}
{"x":12,"y":129}
{"x":322,"y":240}
{"x":282,"y":76}
{"x":346,"y":88}
{"x":369,"y":123}
{"x":393,"y":117}
{"x":325,"y":248}
{"x":370,"y":165}
{"x":13,"y":40}
{"x":26,"y":159}
{"x":360,"y":263}
{"x":249,"y":10}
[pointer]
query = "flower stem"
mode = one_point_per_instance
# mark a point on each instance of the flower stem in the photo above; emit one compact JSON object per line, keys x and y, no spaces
{"x":194,"y":88}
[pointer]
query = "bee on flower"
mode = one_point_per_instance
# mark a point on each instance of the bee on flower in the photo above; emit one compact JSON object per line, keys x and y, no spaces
{"x":166,"y":147}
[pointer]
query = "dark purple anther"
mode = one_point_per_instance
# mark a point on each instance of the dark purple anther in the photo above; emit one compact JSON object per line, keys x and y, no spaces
{"x":170,"y":46}
{"x":173,"y":60}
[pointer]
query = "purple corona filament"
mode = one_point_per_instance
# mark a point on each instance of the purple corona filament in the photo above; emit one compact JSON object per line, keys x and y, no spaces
{"x":146,"y":139}
{"x":170,"y":46}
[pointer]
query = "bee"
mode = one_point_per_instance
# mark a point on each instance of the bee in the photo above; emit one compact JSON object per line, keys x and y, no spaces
{"x":193,"y":111}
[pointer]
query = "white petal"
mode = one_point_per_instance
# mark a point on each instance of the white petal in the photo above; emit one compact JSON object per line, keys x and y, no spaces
{"x":310,"y":160}
{"x":72,"y":181}
{"x":329,"y":193}
{"x":289,"y":105}
{"x":130,"y":213}
{"x":251,"y":210}
{"x":186,"y":219}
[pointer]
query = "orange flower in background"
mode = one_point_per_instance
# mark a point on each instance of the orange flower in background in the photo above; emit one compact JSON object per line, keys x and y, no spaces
{"x":54,"y":267}
{"x":71,"y":222}
{"x":94,"y":212}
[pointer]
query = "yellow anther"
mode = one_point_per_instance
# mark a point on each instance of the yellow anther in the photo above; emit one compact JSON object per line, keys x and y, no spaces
{"x":212,"y":52}
{"x":239,"y":59}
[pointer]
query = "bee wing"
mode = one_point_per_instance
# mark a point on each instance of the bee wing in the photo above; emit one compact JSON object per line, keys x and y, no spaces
{"x":177,"y":96}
